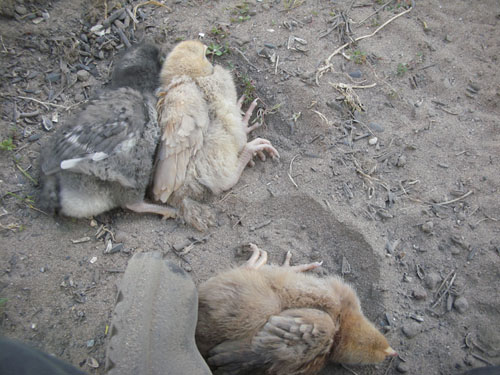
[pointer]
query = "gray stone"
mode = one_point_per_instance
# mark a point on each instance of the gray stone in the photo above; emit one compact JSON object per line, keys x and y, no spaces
{"x":21,"y":9}
{"x":461,"y":304}
{"x":411,"y":329}
{"x":402,"y":368}
{"x":427,"y":227}
{"x":376,"y":127}
{"x":419,"y":294}
{"x":431,"y":280}
{"x":82,"y":75}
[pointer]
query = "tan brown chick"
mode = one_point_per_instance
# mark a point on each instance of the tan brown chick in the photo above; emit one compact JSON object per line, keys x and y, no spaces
{"x":204,"y":145}
{"x":260,"y":319}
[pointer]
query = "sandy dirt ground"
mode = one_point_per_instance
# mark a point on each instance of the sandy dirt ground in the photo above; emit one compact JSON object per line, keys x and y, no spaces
{"x":389,"y":168}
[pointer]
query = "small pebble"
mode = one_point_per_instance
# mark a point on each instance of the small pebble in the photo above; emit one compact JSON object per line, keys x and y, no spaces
{"x":90,"y":343}
{"x":402,"y":367}
{"x":53,"y":77}
{"x":34,"y":137}
{"x":432,"y":279}
{"x":401,"y":161}
{"x":461,"y":304}
{"x":376,"y":127}
{"x":355,"y":74}
{"x":187,"y":267}
{"x":21,"y":9}
{"x":419,"y":294}
{"x":373,"y":141}
{"x":411,"y":329}
{"x":427,"y":227}
{"x":82,"y":75}
{"x":92,"y":362}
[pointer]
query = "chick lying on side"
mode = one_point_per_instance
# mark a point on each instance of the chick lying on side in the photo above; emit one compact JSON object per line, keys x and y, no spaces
{"x":260,"y":319}
{"x":204,"y":143}
{"x":103,"y":158}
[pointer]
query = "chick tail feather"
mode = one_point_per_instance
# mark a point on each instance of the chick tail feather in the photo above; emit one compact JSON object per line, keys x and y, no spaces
{"x":235,"y":358}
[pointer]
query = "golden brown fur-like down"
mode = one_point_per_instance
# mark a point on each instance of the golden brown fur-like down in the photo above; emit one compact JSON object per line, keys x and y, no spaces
{"x":203,"y":147}
{"x":274,"y":320}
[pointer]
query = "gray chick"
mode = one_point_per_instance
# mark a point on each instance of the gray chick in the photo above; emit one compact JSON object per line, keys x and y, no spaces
{"x":103,"y":158}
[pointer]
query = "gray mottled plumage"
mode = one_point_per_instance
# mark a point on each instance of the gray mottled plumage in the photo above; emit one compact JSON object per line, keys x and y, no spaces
{"x":103,"y":157}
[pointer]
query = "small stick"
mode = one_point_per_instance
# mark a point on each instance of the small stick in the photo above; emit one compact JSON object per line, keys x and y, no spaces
{"x":26,"y":174}
{"x":327,"y":65}
{"x":147,"y":3}
{"x":456,"y":199}
{"x":446,"y":291}
{"x":290,"y":171}
{"x":374,"y":13}
{"x":482,"y":359}
{"x":390,"y":364}
{"x":45,"y":104}
{"x":350,"y":370}
{"x":246,"y":59}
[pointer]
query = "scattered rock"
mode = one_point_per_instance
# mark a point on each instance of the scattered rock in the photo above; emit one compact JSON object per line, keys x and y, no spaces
{"x":411,"y":329}
{"x":53,"y":77}
{"x":431,"y":280}
{"x":21,"y":10}
{"x":92,"y":362}
{"x":401,"y":161}
{"x":402,"y":368}
{"x":82,"y":75}
{"x":419,"y":294}
{"x":461,"y":304}
{"x":356,"y":74}
{"x":373,"y":141}
{"x":427,"y":227}
{"x":376,"y":127}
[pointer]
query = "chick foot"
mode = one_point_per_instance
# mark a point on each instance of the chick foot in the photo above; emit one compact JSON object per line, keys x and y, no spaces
{"x":257,"y":147}
{"x":247,"y":116}
{"x":257,"y":260}
{"x":301,"y":267}
{"x":143,"y":207}
{"x":196,"y":214}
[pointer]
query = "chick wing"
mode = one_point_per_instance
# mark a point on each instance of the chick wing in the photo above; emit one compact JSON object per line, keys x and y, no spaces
{"x":183,"y":114}
{"x":296,"y":341}
{"x":107,"y":132}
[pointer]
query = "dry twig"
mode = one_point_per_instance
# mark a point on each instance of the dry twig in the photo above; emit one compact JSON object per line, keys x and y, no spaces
{"x":290,"y":171}
{"x":327,"y":64}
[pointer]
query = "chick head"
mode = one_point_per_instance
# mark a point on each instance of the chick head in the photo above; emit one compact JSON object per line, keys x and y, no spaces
{"x":187,"y":58}
{"x":359,"y":342}
{"x":138,"y":68}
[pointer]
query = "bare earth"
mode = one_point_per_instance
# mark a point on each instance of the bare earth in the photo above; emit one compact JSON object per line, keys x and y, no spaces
{"x":410,"y":218}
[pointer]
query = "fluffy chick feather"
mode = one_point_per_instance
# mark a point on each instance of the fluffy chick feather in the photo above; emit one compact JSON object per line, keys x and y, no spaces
{"x":275,"y":320}
{"x":204,"y":143}
{"x":103,"y":158}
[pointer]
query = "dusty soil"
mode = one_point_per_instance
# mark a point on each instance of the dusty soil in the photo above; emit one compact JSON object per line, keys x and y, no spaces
{"x":414,"y":212}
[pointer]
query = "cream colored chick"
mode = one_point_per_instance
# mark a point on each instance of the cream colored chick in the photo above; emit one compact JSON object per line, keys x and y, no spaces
{"x":204,"y":143}
{"x":260,"y":319}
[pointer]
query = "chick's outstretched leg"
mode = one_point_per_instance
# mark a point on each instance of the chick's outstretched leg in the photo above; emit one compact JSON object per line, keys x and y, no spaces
{"x":301,"y":267}
{"x":143,"y":207}
{"x":258,"y":258}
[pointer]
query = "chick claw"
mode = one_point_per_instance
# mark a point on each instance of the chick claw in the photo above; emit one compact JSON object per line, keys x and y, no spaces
{"x":257,"y":260}
{"x":301,"y":267}
{"x":257,"y":148}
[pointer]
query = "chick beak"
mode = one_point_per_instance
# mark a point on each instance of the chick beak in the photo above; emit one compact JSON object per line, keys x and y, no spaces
{"x":390,"y":352}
